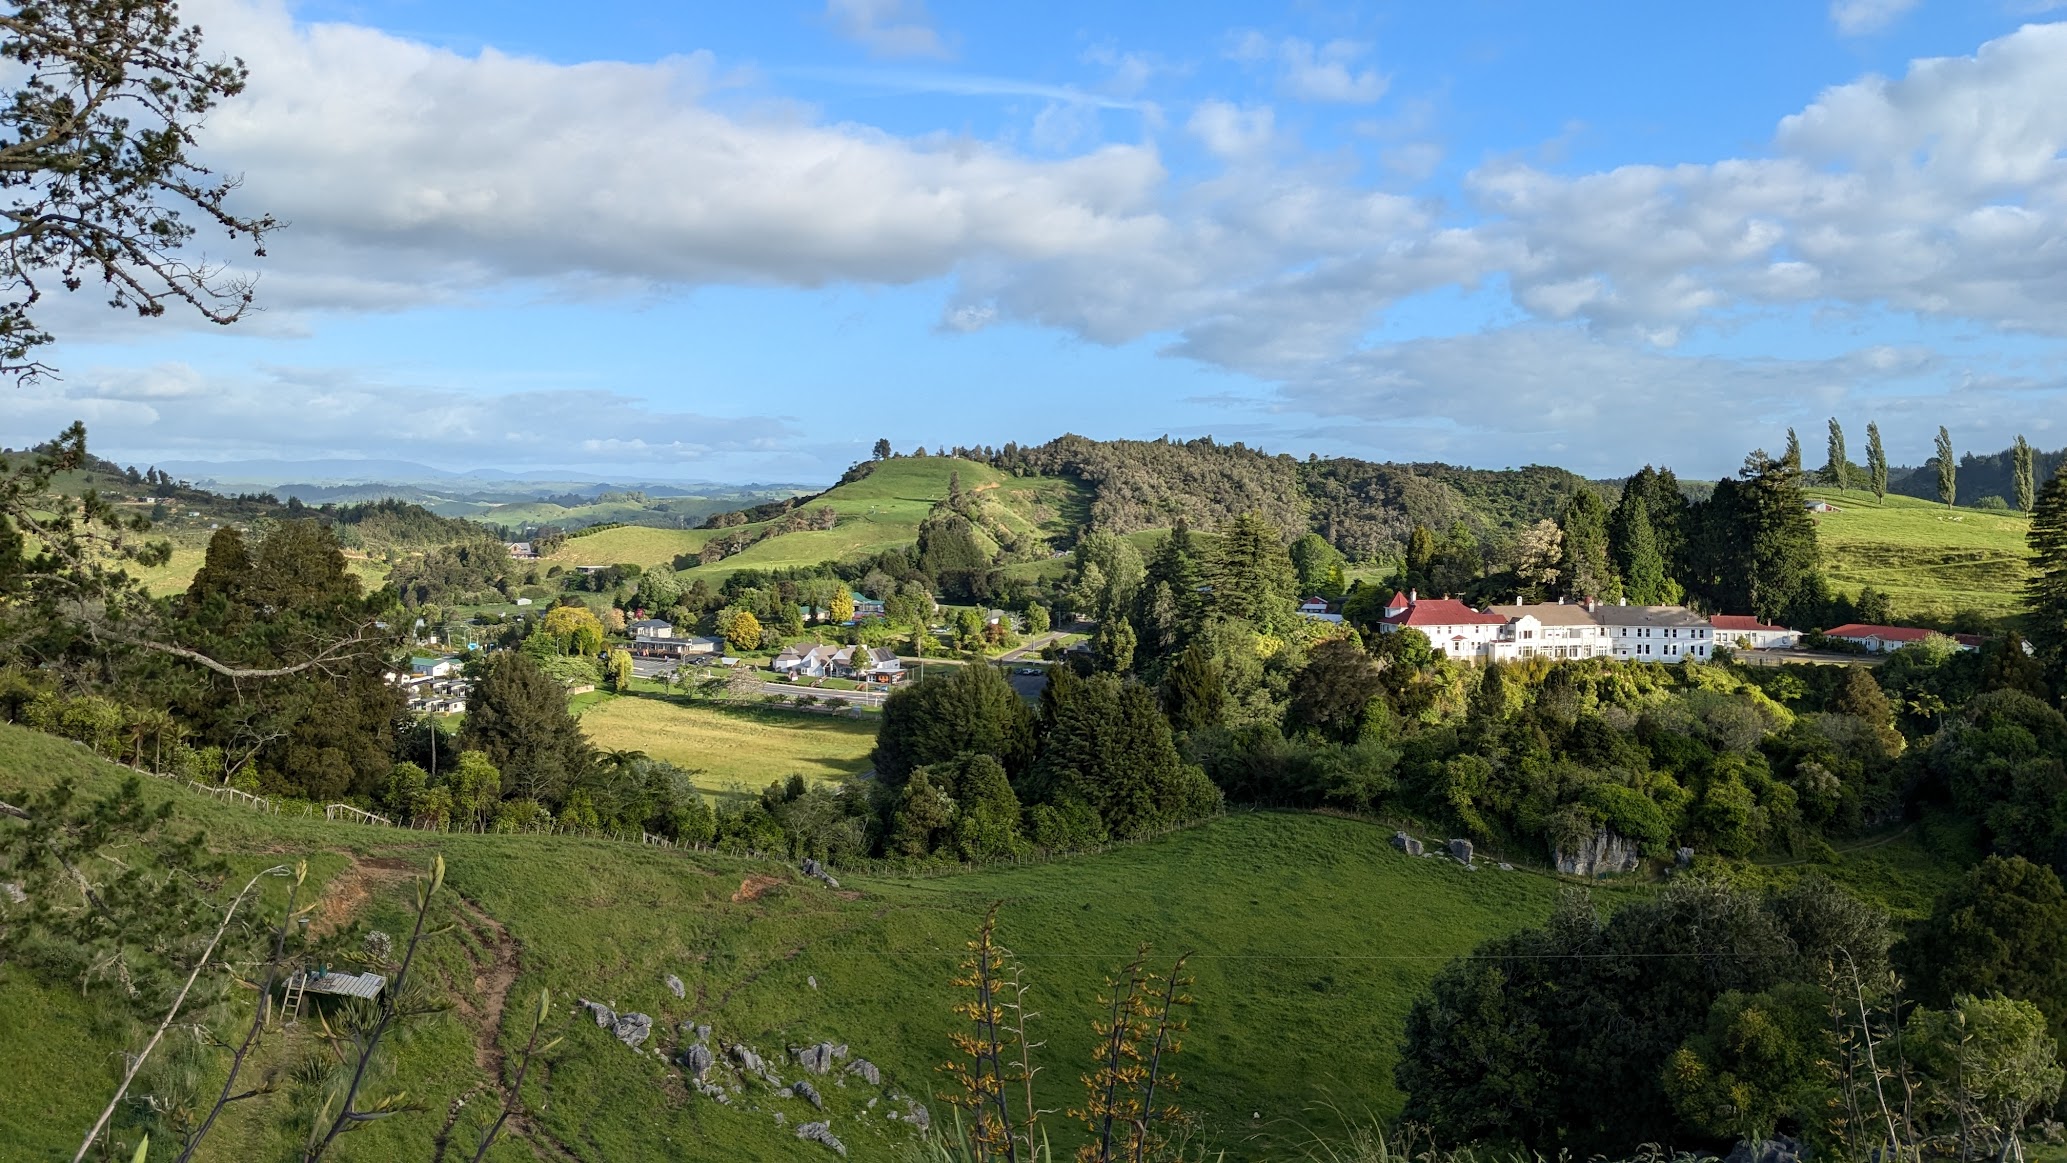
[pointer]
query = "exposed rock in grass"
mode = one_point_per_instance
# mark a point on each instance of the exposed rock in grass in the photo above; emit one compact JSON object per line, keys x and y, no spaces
{"x":674,"y":986}
{"x":1600,"y":854}
{"x":1460,"y":851}
{"x":747,"y":1059}
{"x":696,"y":1058}
{"x":819,"y":1059}
{"x":868,"y":1071}
{"x":817,"y":871}
{"x":821,"y":1133}
{"x":1406,"y":843}
{"x":808,"y":1093}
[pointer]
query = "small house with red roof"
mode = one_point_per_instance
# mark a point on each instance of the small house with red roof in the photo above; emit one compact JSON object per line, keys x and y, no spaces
{"x":1746,"y":632}
{"x":1880,"y":639}
{"x":1453,"y":628}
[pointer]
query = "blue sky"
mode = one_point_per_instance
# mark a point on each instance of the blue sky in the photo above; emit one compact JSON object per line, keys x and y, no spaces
{"x":740,"y":242}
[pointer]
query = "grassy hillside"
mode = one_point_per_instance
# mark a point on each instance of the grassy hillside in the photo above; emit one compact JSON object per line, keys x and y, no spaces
{"x":736,"y":750}
{"x":1312,"y":938}
{"x":1933,"y":562}
{"x":881,"y":511}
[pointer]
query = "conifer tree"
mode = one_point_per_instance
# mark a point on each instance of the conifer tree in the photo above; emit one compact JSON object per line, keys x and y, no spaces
{"x":1948,"y":469}
{"x":1194,"y":695}
{"x":517,"y":718}
{"x":1839,"y":470}
{"x":1587,"y":571}
{"x":1876,"y":462}
{"x":2046,"y":591}
{"x":1252,"y":574}
{"x":1644,"y":580}
{"x":1792,"y":457}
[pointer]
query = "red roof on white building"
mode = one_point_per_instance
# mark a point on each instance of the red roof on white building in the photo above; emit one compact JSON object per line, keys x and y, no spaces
{"x":1440,"y":612}
{"x":1884,"y":633}
{"x":1746,"y":622}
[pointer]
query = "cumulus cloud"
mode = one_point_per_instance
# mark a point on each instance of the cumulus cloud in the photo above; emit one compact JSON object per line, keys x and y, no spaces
{"x":888,"y":28}
{"x":1860,"y":17}
{"x":173,"y":410}
{"x":400,"y":162}
{"x":1312,"y":72}
{"x":413,"y":174}
{"x":1540,"y":393}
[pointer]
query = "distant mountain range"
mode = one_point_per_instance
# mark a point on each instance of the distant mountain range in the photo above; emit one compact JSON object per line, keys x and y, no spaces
{"x":305,"y":478}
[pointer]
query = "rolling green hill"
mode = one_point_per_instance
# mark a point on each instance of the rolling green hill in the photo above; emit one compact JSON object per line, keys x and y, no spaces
{"x":880,"y":511}
{"x":1933,"y":562}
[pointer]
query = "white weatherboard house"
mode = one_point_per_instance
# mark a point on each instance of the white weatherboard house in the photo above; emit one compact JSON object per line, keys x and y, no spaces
{"x":651,"y":628}
{"x":806,"y":662}
{"x":1553,"y":630}
{"x":1657,"y":633}
{"x":1453,"y":628}
{"x":1746,"y":632}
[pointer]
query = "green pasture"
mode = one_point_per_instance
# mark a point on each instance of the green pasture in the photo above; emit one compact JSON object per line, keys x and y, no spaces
{"x":1932,"y":562}
{"x":1309,"y":939}
{"x":734,"y":750}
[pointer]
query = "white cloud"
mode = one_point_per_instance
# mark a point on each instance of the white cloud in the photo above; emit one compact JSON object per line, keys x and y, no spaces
{"x":413,"y":174}
{"x":400,"y":163}
{"x":1229,"y":130}
{"x":1316,"y":73}
{"x":171,"y":410}
{"x":1544,"y":394}
{"x":1860,"y":17}
{"x":887,"y":28}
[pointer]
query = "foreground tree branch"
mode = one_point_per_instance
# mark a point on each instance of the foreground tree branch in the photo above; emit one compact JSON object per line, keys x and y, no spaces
{"x":200,"y":963}
{"x":95,"y":148}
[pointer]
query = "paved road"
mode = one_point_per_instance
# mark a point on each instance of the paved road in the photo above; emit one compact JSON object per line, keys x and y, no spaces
{"x":1032,"y":648}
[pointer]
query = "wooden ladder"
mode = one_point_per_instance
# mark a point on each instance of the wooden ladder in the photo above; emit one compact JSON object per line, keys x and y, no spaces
{"x":291,"y":1002}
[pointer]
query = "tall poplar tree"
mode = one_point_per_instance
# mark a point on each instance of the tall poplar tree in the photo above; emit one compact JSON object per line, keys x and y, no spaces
{"x":2024,"y":473}
{"x":1839,"y":470}
{"x":1948,"y":469}
{"x":1792,"y":457}
{"x":1876,"y":462}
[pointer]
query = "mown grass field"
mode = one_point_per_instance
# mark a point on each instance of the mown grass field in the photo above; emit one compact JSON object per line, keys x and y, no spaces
{"x":736,"y":750}
{"x":1931,"y":561}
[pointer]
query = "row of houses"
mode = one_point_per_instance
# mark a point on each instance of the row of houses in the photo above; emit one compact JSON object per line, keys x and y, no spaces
{"x":1671,"y":634}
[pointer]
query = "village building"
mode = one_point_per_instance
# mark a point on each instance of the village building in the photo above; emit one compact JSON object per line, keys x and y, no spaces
{"x":1656,"y":633}
{"x":651,"y":628}
{"x":811,"y":660}
{"x":1881,"y":639}
{"x":1454,"y":629}
{"x":1746,"y":632}
{"x":1551,"y":630}
{"x":878,"y":664}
